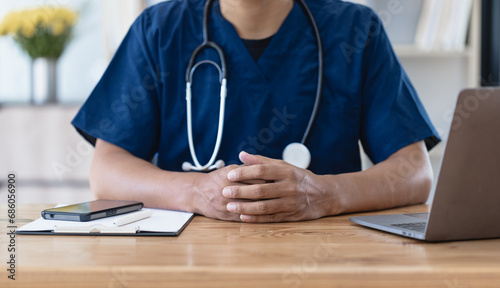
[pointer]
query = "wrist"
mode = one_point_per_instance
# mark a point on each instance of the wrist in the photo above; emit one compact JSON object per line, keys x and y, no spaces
{"x":183,"y":188}
{"x":332,"y":187}
{"x":193,"y":189}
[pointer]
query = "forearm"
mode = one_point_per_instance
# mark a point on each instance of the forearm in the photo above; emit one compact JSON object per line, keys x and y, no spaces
{"x":405,"y":178}
{"x":117,"y":174}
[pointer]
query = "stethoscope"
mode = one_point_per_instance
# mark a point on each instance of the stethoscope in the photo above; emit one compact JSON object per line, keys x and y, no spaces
{"x":295,"y":153}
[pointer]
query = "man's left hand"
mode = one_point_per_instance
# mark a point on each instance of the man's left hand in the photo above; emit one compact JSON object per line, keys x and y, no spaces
{"x":289,"y":194}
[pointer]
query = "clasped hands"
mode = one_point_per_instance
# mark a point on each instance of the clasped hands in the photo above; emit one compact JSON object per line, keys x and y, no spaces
{"x":262,"y":190}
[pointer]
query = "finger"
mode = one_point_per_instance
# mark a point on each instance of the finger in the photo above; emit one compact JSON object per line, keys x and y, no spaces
{"x":264,"y":207}
{"x":249,"y":159}
{"x":279,"y":217}
{"x":258,"y":172}
{"x":255,"y":192}
{"x":255,"y":181}
{"x":228,"y":217}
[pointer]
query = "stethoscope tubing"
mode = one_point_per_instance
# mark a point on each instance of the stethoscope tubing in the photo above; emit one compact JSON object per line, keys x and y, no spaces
{"x":223,"y":96}
{"x":319,"y":88}
{"x":223,"y":75}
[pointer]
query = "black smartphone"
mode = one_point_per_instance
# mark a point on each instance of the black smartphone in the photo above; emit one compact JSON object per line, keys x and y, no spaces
{"x":92,"y":210}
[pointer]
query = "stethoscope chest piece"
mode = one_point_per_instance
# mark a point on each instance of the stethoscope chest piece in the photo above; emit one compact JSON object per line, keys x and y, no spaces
{"x":297,"y":154}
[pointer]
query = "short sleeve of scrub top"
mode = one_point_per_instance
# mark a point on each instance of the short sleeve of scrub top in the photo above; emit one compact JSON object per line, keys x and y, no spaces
{"x":123,"y":109}
{"x":139,"y":104}
{"x":390,"y":102}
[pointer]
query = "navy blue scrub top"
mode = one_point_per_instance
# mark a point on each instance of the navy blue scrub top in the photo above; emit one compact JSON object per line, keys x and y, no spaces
{"x":139,"y":104}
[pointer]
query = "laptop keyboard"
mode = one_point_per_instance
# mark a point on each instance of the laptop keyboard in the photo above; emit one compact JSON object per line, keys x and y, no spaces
{"x":416,"y":226}
{"x":423,"y":216}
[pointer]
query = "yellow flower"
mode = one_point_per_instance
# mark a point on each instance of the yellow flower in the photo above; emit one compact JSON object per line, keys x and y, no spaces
{"x":22,"y":19}
{"x":39,"y":17}
{"x":3,"y":28}
{"x":26,"y":22}
{"x":49,"y":13}
{"x":58,"y":28}
{"x":65,"y":15}
{"x":9,"y":23}
{"x":71,"y":18}
{"x":28,"y":30}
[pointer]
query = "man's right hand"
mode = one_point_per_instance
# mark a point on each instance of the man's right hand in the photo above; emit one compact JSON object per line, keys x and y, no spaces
{"x":208,"y":199}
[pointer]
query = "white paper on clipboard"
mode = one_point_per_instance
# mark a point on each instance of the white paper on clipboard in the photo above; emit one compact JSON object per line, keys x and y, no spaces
{"x":164,"y":222}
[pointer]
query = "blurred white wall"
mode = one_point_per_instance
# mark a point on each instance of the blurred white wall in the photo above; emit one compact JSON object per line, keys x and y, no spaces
{"x":118,"y":15}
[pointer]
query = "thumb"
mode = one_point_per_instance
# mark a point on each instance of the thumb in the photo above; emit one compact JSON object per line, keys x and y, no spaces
{"x":249,"y":159}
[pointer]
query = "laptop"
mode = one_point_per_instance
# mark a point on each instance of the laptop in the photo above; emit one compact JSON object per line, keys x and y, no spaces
{"x":466,"y":201}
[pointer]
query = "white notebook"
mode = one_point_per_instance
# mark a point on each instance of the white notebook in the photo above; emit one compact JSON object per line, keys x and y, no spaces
{"x":161,"y":223}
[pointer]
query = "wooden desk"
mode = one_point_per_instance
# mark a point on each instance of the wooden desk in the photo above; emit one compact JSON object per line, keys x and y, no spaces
{"x":329,"y":252}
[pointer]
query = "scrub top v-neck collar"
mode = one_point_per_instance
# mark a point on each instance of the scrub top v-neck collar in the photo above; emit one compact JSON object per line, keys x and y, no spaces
{"x":270,"y":62}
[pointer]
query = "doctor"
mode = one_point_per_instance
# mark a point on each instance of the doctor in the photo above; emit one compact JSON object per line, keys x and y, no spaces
{"x":138,"y":111}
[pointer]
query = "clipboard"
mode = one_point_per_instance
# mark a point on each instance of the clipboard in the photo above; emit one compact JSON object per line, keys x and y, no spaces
{"x":161,"y":223}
